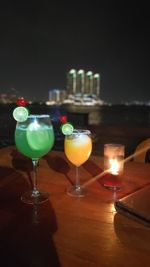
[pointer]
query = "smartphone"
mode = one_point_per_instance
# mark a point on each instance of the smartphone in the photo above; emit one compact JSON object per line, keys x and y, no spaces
{"x":136,"y":205}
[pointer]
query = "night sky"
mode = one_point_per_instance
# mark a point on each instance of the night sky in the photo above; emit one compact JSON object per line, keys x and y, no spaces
{"x":41,"y":42}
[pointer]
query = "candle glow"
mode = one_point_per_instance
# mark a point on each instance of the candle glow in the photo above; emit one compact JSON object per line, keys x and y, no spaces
{"x":114,"y":166}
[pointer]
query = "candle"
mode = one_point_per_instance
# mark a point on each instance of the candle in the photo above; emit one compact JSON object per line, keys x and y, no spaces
{"x":114,"y":165}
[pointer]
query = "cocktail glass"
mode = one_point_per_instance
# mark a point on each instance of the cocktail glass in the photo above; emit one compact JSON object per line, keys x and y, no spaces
{"x":34,"y":138}
{"x":78,"y":148}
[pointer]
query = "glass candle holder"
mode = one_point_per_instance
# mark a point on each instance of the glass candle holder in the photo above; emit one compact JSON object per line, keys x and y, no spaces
{"x":114,"y":165}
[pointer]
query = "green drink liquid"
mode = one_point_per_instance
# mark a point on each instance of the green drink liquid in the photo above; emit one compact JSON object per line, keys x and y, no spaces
{"x":35,"y":140}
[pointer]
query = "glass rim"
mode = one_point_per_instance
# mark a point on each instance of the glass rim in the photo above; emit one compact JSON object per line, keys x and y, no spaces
{"x":81,"y":131}
{"x":114,"y":145}
{"x":32,"y":116}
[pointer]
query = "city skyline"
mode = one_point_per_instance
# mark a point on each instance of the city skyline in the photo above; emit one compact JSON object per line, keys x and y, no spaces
{"x":40,"y":43}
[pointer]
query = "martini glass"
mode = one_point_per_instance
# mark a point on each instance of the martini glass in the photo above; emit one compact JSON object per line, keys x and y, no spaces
{"x":78,"y":148}
{"x":34,"y":138}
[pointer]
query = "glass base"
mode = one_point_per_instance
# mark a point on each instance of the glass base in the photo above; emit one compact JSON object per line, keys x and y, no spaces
{"x":76,"y":191}
{"x":111,"y":182}
{"x":30,"y":198}
{"x":113,"y":188}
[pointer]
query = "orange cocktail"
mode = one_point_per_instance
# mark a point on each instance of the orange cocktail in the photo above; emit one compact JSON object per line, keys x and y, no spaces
{"x":78,"y":149}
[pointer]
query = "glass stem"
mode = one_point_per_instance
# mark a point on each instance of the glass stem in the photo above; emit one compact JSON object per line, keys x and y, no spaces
{"x":35,"y":192}
{"x":77,"y":185}
{"x":35,"y":218}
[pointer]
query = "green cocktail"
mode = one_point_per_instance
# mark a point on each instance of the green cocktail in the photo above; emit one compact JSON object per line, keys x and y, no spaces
{"x":34,"y":138}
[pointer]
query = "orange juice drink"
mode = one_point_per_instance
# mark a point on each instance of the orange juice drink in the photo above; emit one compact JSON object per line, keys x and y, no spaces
{"x":78,"y":148}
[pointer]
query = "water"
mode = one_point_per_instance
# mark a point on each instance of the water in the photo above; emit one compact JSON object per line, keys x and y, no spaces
{"x":126,"y":115}
{"x":122,"y":124}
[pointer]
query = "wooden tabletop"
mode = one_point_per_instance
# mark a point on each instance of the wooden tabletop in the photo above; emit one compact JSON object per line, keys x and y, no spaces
{"x":67,"y":231}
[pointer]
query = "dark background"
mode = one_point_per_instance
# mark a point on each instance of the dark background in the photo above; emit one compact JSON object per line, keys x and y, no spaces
{"x":41,"y":41}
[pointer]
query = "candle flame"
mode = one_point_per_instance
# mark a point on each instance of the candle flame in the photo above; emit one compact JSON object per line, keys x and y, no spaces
{"x":114,"y":166}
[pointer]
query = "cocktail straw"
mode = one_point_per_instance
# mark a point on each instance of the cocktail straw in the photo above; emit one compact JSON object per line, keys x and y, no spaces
{"x":95,"y":178}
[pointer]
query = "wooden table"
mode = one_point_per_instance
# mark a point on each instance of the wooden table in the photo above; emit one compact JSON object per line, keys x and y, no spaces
{"x":67,"y":231}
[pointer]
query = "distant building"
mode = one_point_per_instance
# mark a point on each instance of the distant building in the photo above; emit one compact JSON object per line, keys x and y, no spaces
{"x":83,"y":87}
{"x":56,"y":96}
{"x":7,"y":98}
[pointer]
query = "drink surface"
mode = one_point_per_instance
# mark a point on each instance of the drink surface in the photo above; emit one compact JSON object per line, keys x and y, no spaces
{"x":78,"y":148}
{"x":35,"y":140}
